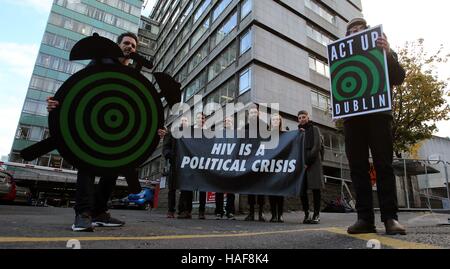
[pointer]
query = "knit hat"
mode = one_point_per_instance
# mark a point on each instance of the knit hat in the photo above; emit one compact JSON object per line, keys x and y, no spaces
{"x":356,"y":21}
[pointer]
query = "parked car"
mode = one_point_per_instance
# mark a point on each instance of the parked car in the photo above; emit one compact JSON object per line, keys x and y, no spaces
{"x":144,"y":200}
{"x":7,"y":187}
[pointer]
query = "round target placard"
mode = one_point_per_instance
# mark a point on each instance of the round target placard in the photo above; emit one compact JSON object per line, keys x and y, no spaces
{"x":108,"y":119}
{"x":359,"y":75}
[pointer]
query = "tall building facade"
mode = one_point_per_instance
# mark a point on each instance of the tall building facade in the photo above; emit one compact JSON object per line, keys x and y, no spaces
{"x":260,"y":51}
{"x":69,"y":21}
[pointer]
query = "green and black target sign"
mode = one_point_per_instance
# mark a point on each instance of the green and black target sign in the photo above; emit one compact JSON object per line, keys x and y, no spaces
{"x":108,"y":116}
{"x":359,"y":75}
{"x":108,"y":119}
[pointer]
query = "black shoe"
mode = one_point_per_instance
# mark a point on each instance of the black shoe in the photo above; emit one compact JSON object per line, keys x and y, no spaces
{"x":274,"y":219}
{"x":280,"y":219}
{"x":393,"y":227}
{"x":83,"y":223}
{"x":105,"y":220}
{"x":362,"y":227}
{"x":315,"y":220}
{"x":219,"y":216}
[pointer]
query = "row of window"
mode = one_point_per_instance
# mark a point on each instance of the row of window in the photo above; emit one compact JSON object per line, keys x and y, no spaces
{"x":78,"y":27}
{"x":35,"y":107}
{"x":32,"y":133}
{"x":318,"y":36}
{"x":320,"y":10}
{"x":58,"y":41}
{"x":45,"y":84}
{"x":58,"y":64}
{"x":98,"y":14}
{"x":124,"y":6}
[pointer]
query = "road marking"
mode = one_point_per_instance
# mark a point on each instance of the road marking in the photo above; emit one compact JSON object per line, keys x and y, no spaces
{"x":386,"y":241}
{"x":161,"y":237}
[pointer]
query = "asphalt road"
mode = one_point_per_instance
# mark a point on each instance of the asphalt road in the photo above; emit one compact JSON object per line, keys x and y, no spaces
{"x":23,"y":227}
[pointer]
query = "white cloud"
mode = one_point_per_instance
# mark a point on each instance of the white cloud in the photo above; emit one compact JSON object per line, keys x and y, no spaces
{"x":10,"y":109}
{"x":42,"y":6}
{"x":16,"y":67}
{"x":17,"y":58}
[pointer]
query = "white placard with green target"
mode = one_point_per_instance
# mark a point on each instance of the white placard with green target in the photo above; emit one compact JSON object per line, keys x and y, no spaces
{"x":359,"y":75}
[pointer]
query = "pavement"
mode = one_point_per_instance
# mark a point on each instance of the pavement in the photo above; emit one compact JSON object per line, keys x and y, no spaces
{"x":27,"y":227}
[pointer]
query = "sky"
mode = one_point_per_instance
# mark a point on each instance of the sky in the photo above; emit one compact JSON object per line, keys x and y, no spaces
{"x":23,"y":23}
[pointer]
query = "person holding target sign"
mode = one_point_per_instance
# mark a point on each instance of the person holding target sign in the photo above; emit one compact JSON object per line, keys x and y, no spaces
{"x":91,"y":201}
{"x":374,"y":132}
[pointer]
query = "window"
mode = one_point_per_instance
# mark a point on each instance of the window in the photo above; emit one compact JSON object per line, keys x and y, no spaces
{"x":245,"y":81}
{"x":57,"y":41}
{"x":319,"y":66}
{"x":224,"y":30}
{"x":43,"y":160}
{"x":45,"y":84}
{"x":184,"y":51}
{"x":182,"y":75}
{"x":76,"y":26}
{"x":321,"y":11}
{"x":23,"y":132}
{"x":225,"y":59}
{"x":246,"y":8}
{"x":35,"y":107}
{"x":58,"y":64}
{"x":36,"y":133}
{"x":199,"y":32}
{"x":195,"y":86}
{"x":55,"y":161}
{"x":223,"y":95}
{"x":198,"y":57}
{"x":99,"y":15}
{"x":320,"y":101}
{"x":220,"y":8}
{"x":246,"y":42}
{"x":318,"y":36}
{"x":201,"y":10}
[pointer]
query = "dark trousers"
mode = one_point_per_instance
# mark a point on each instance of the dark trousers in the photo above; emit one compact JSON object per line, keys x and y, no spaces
{"x":171,"y":199}
{"x":171,"y":196}
{"x":185,"y":202}
{"x":374,"y":132}
{"x":229,"y":208}
{"x":252,"y":200}
{"x":276,"y":205}
{"x":305,"y":200}
{"x":91,"y":198}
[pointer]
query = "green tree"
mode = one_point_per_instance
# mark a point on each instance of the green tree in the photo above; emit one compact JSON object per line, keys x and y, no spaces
{"x":421,"y":100}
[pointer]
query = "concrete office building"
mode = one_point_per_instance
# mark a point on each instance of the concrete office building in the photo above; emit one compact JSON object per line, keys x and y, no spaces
{"x":262,"y":51}
{"x":69,"y":21}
